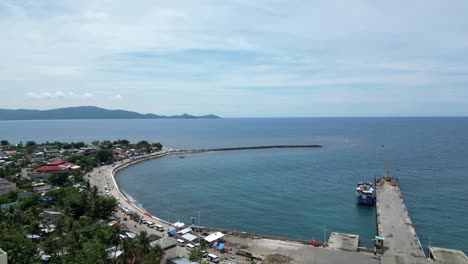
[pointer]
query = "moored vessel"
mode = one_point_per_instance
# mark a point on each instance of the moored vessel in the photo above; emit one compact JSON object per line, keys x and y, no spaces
{"x":365,"y":193}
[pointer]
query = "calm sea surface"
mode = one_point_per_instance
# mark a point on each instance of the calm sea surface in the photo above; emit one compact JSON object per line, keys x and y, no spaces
{"x":289,"y":192}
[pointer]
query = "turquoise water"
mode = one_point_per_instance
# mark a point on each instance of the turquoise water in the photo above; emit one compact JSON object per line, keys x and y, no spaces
{"x":280,"y":192}
{"x":291,"y":192}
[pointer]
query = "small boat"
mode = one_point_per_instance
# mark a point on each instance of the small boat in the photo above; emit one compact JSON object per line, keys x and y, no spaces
{"x":365,"y":193}
{"x":181,"y":157}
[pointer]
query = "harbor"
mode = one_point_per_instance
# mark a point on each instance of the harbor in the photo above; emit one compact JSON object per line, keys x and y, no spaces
{"x":400,"y":243}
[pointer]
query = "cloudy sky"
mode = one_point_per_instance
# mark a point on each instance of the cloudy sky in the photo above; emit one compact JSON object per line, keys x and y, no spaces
{"x":237,"y":58}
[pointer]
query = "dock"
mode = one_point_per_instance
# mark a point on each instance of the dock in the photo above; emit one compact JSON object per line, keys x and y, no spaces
{"x":401,"y":243}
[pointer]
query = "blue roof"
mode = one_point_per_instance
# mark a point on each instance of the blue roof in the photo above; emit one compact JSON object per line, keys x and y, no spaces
{"x":173,"y":231}
{"x":221,"y":246}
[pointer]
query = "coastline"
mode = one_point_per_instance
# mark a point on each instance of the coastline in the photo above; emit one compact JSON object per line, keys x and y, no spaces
{"x":259,"y":245}
{"x":111,"y":170}
{"x":128,"y":163}
{"x":336,"y":250}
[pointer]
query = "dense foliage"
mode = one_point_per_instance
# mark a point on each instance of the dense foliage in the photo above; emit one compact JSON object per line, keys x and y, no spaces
{"x":78,"y":232}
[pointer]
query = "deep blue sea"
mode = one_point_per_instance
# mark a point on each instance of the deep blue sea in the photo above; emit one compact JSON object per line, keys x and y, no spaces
{"x":289,"y":192}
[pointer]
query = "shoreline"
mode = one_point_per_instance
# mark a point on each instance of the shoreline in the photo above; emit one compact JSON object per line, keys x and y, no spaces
{"x":262,"y":246}
{"x":115,"y":168}
{"x":128,"y":163}
{"x":337,"y":249}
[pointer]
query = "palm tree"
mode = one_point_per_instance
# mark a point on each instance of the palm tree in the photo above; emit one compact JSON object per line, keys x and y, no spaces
{"x":130,"y":251}
{"x":155,"y":256}
{"x":144,"y":243}
{"x":19,"y":248}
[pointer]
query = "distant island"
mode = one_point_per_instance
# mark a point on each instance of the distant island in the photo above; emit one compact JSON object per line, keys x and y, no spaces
{"x":86,"y":112}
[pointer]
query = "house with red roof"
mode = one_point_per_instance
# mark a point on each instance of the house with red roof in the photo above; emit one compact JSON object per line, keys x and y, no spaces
{"x":58,"y":165}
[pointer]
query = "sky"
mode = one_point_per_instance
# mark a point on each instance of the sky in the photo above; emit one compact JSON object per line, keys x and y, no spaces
{"x":237,"y":58}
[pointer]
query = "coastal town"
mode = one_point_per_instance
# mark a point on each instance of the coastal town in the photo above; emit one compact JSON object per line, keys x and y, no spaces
{"x":61,"y":204}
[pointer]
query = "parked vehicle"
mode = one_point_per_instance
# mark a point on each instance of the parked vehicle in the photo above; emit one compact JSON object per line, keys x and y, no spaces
{"x":213,"y":258}
{"x":189,"y":247}
{"x":181,"y":242}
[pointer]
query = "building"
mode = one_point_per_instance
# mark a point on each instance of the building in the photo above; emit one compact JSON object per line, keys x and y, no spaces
{"x":58,"y":165}
{"x":6,"y":186}
{"x":3,"y":257}
{"x":41,"y":187}
{"x":169,"y":246}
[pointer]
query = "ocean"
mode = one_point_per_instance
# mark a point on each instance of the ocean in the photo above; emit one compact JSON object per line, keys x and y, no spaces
{"x":297,"y":193}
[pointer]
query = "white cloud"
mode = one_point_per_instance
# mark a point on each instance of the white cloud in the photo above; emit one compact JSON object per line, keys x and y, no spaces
{"x":59,"y":94}
{"x":88,"y":95}
{"x":116,"y":97}
{"x":292,"y":44}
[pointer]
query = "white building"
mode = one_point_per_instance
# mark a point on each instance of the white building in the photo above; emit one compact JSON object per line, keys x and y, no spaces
{"x":3,"y":257}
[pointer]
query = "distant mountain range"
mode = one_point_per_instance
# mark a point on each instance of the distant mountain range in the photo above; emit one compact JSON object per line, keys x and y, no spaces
{"x":86,"y":112}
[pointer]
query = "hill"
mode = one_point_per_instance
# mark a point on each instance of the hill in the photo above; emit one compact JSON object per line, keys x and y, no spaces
{"x":86,"y":112}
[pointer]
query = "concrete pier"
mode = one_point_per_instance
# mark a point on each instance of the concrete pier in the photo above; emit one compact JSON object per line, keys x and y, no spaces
{"x":401,"y":243}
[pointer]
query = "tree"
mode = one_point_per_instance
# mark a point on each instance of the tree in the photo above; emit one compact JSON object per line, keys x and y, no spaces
{"x":195,"y":254}
{"x":78,"y":144}
{"x":143,"y":143}
{"x":31,"y":144}
{"x":104,"y":155}
{"x":155,"y":256}
{"x":122,"y":142}
{"x":29,"y":202}
{"x":106,"y":144}
{"x":87,"y":163}
{"x":158,"y":146}
{"x":59,"y":178}
{"x":101,"y":207}
{"x":20,"y":249}
{"x":130,"y":250}
{"x":4,"y":143}
{"x":144,"y":243}
{"x":94,"y":252}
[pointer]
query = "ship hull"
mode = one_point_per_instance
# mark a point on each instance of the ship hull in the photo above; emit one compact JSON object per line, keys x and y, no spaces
{"x":369,"y":200}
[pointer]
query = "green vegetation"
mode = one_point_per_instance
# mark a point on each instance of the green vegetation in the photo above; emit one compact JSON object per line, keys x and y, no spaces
{"x":77,"y":232}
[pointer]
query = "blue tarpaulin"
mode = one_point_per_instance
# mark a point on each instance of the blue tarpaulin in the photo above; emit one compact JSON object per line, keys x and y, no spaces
{"x":214,"y":244}
{"x":221,"y":246}
{"x":172,"y":232}
{"x":47,"y":199}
